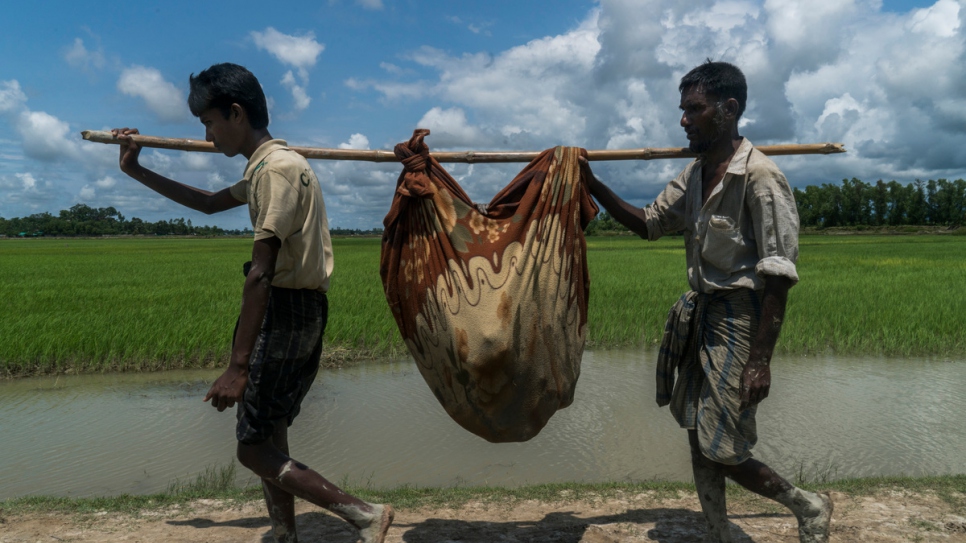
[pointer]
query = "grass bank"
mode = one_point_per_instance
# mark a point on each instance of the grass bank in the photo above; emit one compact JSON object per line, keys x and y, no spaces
{"x":145,"y":304}
{"x":216,"y":484}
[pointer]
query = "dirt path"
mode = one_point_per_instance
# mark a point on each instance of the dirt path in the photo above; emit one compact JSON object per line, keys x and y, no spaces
{"x":890,"y":516}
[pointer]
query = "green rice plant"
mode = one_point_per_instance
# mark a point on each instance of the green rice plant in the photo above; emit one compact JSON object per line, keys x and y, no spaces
{"x":359,"y":317}
{"x":888,"y":295}
{"x":103,"y":304}
{"x":157,"y":303}
{"x":633,"y":283}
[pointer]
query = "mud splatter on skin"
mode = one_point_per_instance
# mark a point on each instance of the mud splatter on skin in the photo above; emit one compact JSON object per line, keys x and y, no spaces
{"x":711,"y":495}
{"x":287,"y":467}
{"x":372,"y":524}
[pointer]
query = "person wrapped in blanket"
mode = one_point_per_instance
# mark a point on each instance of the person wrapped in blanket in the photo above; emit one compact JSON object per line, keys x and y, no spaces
{"x":740,"y":226}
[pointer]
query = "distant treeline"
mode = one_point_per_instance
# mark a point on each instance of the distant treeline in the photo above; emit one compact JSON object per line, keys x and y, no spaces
{"x":856,"y":203}
{"x":852,"y":203}
{"x":86,"y":221}
{"x":83,"y":220}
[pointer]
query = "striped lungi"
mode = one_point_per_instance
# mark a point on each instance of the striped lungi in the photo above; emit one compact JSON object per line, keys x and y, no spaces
{"x":707,"y":340}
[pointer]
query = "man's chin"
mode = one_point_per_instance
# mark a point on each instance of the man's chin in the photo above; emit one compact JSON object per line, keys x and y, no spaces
{"x":698,"y":147}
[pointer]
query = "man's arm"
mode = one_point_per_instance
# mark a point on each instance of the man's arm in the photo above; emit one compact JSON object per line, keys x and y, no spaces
{"x":630,"y":216}
{"x":188,"y":196}
{"x":230,"y":386}
{"x":756,"y":378}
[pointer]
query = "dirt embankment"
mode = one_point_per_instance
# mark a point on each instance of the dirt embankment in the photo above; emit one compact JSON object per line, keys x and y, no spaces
{"x":887,"y":516}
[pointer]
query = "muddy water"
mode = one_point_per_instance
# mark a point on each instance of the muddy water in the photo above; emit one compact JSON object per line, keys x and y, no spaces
{"x":380,"y":425}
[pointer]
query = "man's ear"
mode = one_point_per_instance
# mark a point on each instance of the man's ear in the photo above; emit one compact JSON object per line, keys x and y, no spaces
{"x":237,"y":113}
{"x":731,"y":107}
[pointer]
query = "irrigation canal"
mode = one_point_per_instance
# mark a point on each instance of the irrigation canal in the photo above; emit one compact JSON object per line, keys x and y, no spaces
{"x":379,"y":425}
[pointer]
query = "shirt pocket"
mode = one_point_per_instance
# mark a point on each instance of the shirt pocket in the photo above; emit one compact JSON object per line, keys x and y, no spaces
{"x":721,"y":243}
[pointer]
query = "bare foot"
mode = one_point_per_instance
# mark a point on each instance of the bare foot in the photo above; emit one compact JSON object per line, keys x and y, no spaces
{"x":378,"y":525}
{"x":814,"y":528}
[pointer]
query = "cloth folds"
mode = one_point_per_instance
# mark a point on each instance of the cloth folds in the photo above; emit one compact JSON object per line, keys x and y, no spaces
{"x":491,"y":300}
{"x":707,"y":341}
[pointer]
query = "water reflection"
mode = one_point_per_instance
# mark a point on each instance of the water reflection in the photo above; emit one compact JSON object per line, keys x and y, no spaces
{"x":379,"y":424}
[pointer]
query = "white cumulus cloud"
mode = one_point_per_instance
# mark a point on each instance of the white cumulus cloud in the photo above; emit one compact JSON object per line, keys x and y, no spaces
{"x":300,"y":98}
{"x":356,"y":141}
{"x":298,"y":51}
{"x":162,"y":97}
{"x":27,"y":180}
{"x":45,"y":137}
{"x":80,"y":57}
{"x":450,"y":128}
{"x":11,"y":97}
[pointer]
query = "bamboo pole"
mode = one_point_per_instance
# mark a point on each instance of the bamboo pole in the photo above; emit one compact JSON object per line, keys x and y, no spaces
{"x":472,"y":157}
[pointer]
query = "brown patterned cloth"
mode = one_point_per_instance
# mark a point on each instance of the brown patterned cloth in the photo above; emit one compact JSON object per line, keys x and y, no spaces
{"x":492,"y":302}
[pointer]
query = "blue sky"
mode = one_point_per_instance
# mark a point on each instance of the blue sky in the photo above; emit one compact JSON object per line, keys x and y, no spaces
{"x":885,"y":78}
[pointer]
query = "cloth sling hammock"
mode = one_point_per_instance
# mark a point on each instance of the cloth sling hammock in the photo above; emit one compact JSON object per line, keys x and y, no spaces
{"x":491,"y":301}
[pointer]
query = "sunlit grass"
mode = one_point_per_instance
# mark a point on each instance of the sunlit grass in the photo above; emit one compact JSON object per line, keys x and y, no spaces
{"x":146,"y":303}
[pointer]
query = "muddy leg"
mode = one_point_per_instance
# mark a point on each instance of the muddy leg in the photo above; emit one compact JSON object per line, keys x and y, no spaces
{"x":710,"y":484}
{"x":276,"y":467}
{"x":813,"y":511}
{"x":281,"y":504}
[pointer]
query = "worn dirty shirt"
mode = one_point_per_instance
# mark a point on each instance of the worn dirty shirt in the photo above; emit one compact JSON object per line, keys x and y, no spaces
{"x":748,"y":229}
{"x":285,"y":201}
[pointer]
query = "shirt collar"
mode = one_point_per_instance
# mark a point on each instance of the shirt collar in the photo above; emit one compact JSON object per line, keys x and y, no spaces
{"x":739,"y":162}
{"x":260,"y":154}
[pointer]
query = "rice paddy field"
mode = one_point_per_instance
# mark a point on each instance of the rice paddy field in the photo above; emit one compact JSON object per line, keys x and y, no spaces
{"x":155,"y":303}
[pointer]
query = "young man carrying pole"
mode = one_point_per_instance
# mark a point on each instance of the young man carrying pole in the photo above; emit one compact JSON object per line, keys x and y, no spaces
{"x":278,"y":338}
{"x":741,"y":236}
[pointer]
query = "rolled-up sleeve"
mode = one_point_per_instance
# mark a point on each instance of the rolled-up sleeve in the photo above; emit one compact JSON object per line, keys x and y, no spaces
{"x":666,"y":213}
{"x":775,"y":219}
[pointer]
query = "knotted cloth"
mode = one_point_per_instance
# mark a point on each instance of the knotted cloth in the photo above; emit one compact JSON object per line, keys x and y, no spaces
{"x":491,"y":301}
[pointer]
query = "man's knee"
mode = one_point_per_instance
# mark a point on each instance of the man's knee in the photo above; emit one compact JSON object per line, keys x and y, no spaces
{"x":247,"y":456}
{"x":259,"y":458}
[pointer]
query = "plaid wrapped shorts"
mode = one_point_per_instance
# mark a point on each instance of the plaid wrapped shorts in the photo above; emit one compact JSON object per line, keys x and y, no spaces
{"x":284,"y":363}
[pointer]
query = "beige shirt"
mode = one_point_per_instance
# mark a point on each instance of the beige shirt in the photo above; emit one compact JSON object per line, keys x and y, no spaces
{"x":747,"y":229}
{"x":285,"y":201}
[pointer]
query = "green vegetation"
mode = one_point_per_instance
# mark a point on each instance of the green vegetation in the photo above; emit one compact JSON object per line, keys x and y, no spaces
{"x":856,"y":203}
{"x":150,"y":303}
{"x":882,"y":295}
{"x":862,"y":206}
{"x":85,"y":221}
{"x":216,"y":484}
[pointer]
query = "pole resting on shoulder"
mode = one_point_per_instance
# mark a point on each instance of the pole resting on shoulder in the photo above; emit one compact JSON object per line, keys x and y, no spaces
{"x":471,"y":157}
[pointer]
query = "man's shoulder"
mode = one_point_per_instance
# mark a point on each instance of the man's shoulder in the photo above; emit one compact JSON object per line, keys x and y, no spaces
{"x":282,"y":156}
{"x":284,"y":162}
{"x":759,"y":162}
{"x":762,"y":170}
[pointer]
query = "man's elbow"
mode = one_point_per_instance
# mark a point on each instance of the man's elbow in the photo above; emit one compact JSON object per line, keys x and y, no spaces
{"x":260,"y":277}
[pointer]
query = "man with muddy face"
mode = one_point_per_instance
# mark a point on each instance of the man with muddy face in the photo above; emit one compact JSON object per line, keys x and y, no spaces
{"x":740,"y":222}
{"x":278,"y":336}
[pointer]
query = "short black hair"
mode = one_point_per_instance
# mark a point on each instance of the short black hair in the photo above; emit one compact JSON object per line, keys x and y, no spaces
{"x":720,"y":79}
{"x":225,"y":84}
